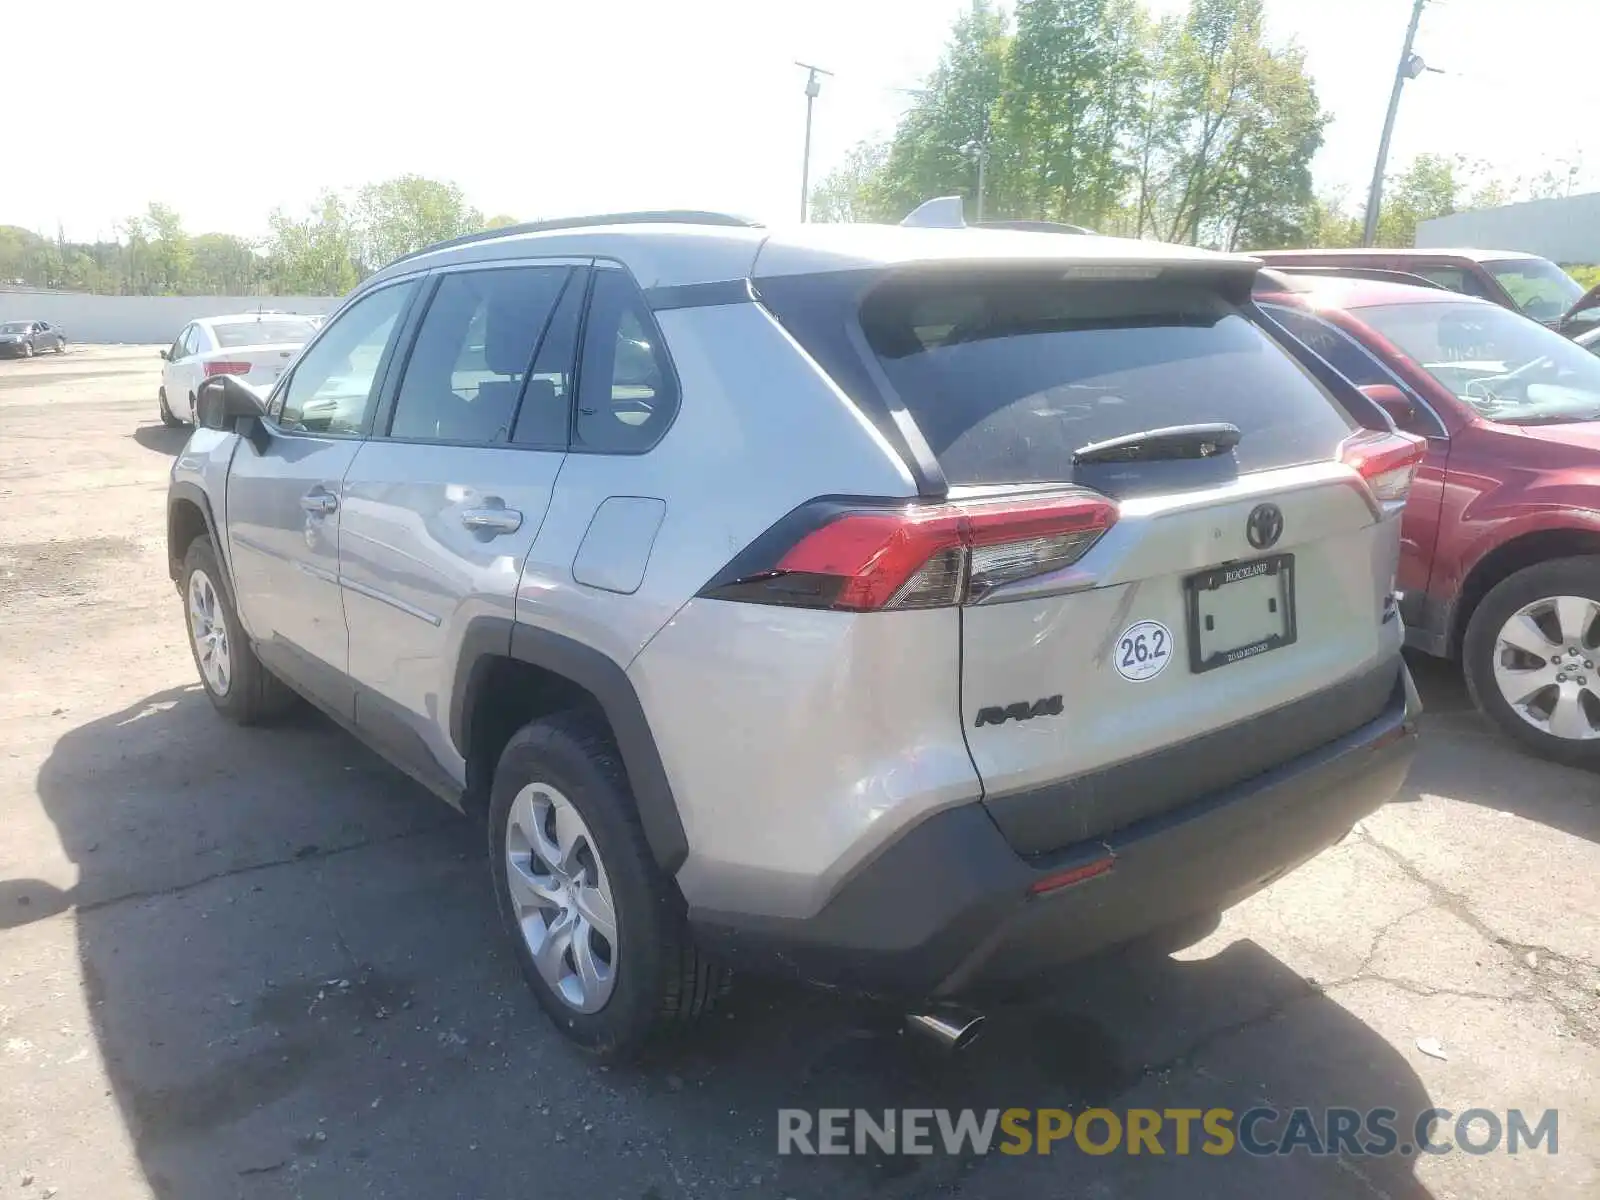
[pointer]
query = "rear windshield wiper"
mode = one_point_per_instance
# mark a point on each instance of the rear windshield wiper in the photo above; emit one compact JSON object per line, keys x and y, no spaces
{"x":1175,"y":441}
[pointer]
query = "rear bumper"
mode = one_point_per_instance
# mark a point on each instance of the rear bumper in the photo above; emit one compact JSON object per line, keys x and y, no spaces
{"x":945,"y":912}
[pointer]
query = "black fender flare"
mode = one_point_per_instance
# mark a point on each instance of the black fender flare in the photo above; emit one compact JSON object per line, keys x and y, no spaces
{"x":193,"y":493}
{"x":603,"y":678}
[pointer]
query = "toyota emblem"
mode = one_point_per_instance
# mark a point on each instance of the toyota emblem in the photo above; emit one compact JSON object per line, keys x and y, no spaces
{"x":1264,"y":526}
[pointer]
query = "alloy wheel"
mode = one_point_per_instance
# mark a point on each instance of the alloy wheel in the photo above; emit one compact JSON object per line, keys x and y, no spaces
{"x":1544,"y":665}
{"x":209,"y":632}
{"x":561,"y":896}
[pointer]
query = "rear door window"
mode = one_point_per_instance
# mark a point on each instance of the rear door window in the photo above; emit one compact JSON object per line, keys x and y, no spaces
{"x":473,"y":355}
{"x":1008,"y":376}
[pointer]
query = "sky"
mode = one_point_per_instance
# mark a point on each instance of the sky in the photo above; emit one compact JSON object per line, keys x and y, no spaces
{"x":544,"y":108}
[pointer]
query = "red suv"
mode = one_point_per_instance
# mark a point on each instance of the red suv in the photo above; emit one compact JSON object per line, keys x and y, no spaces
{"x":1524,"y":283}
{"x":1500,"y":543}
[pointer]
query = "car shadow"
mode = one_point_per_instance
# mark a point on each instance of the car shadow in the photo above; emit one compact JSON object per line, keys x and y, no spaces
{"x":162,"y":438}
{"x":297,"y":979}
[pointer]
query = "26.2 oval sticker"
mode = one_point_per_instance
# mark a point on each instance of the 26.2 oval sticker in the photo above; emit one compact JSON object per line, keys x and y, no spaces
{"x":1143,"y":651}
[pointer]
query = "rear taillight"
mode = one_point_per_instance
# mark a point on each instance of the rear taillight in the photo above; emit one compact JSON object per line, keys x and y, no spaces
{"x":227,"y":368}
{"x":915,"y":556}
{"x":1388,"y":461}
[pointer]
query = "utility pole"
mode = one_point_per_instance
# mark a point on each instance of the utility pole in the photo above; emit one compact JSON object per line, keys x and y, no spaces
{"x":1410,"y":67}
{"x":813,"y":86}
{"x":983,"y":163}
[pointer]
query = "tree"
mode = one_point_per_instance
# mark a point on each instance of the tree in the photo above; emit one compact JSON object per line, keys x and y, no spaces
{"x":1233,"y":127}
{"x":1428,"y":188}
{"x":164,"y":259}
{"x":1073,"y":85}
{"x":500,"y":221}
{"x":1193,"y":130}
{"x":406,"y":213}
{"x":226,"y":265}
{"x":24,"y":256}
{"x":316,"y":254}
{"x":1551,"y":185}
{"x":326,"y":250}
{"x":853,"y":191}
{"x":936,"y":148}
{"x":1331,"y":225}
{"x":1266,"y":199}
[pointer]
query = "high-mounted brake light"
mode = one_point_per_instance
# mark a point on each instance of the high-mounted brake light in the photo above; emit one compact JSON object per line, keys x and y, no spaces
{"x":1388,"y":461}
{"x":920,"y":556}
{"x":227,"y":368}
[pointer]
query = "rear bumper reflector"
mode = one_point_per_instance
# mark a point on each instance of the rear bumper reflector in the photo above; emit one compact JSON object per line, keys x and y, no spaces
{"x":1061,"y":879}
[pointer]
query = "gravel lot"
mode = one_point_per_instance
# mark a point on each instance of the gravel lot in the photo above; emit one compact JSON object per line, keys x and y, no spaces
{"x":261,"y":963}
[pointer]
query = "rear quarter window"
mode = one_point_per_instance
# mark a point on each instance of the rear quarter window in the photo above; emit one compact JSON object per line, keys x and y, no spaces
{"x":1007,"y":377}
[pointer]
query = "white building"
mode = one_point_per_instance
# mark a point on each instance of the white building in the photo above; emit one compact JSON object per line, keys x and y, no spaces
{"x":1564,"y":231}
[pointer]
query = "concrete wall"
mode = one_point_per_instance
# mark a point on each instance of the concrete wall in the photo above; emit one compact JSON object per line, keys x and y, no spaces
{"x":1564,"y":231}
{"x":139,"y":318}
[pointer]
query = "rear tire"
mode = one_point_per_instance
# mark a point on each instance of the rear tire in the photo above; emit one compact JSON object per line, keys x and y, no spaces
{"x":652,"y":977}
{"x":1548,"y":696}
{"x":167,"y":417}
{"x":236,"y":683}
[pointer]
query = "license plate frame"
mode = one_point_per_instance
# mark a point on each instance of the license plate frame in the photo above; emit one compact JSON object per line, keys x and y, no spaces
{"x":1280,"y":566}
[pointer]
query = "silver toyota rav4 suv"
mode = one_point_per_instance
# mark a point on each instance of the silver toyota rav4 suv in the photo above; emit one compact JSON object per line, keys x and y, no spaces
{"x":913,"y":611}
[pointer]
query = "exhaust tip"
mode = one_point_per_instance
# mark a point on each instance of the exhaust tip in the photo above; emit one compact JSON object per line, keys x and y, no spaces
{"x":953,"y":1029}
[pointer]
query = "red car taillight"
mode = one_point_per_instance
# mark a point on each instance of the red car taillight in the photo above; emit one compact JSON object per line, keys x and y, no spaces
{"x":227,"y":368}
{"x":915,"y":556}
{"x":1387,"y":461}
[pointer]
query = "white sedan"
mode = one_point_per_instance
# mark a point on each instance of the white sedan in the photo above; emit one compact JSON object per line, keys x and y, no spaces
{"x":255,"y":347}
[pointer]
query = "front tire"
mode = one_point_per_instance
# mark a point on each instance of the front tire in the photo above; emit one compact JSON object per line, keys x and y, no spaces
{"x":61,"y":345}
{"x":236,"y":683}
{"x":168,"y":418}
{"x":1532,"y":658}
{"x":27,"y":349}
{"x":599,"y":933}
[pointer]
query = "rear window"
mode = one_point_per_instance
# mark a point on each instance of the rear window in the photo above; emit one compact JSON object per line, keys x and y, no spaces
{"x":263,"y":333}
{"x":1007,"y":377}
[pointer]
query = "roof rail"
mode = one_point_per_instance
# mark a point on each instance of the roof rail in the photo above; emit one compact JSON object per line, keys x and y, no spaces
{"x":665,"y":216}
{"x":1034,"y":226}
{"x":1379,"y":274}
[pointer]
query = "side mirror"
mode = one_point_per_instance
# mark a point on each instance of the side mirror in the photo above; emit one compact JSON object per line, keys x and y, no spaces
{"x":1392,"y":400}
{"x":222,"y":401}
{"x":163,"y":355}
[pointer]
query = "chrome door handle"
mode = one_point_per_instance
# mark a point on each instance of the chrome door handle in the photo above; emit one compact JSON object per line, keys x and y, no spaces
{"x":491,"y":520}
{"x":319,"y":502}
